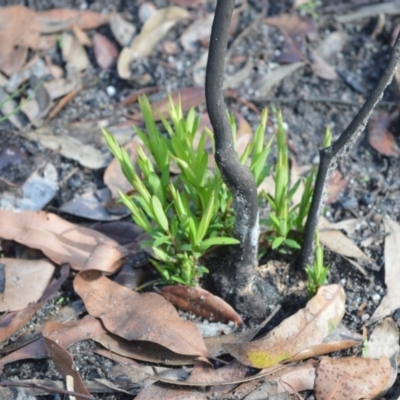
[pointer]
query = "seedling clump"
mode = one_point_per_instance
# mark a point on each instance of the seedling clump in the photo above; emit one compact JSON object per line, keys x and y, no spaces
{"x":188,"y":213}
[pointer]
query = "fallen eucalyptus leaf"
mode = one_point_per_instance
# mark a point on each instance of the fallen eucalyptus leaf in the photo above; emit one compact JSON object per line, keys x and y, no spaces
{"x":307,"y":328}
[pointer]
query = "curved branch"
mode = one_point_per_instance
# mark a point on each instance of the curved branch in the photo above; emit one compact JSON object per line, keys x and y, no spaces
{"x":330,"y":155}
{"x":237,"y":177}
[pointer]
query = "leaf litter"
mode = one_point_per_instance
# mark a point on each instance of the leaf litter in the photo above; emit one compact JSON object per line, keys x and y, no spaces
{"x":55,"y":22}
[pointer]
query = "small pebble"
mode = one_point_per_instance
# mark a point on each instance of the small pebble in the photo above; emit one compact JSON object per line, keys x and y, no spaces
{"x":343,"y":282}
{"x":146,"y":10}
{"x":376,"y":298}
{"x":365,"y":317}
{"x":75,"y":182}
{"x":350,"y":204}
{"x":368,"y":199}
{"x":111,"y":91}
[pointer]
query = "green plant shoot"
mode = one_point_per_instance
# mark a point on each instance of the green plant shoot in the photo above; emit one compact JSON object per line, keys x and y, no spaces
{"x":317,"y":273}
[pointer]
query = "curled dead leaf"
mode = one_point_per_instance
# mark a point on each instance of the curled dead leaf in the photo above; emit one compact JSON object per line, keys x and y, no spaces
{"x":201,"y":302}
{"x":134,"y":316}
{"x":307,"y":328}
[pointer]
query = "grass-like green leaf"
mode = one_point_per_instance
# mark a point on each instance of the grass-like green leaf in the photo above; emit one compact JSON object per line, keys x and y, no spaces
{"x":159,"y":214}
{"x":217,"y":241}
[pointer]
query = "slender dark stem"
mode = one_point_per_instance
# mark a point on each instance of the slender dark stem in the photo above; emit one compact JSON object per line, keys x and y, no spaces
{"x":48,"y":389}
{"x":237,"y":177}
{"x":330,"y":155}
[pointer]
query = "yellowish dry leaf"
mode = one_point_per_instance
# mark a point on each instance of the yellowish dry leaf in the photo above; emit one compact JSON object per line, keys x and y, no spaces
{"x":307,"y":328}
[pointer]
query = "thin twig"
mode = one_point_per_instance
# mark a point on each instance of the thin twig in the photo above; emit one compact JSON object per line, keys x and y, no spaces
{"x":330,"y":155}
{"x":47,"y":389}
{"x":328,"y":100}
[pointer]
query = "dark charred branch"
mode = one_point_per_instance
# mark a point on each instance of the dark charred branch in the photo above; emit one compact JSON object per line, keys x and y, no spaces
{"x":237,"y":177}
{"x":238,"y":265}
{"x":330,"y":156}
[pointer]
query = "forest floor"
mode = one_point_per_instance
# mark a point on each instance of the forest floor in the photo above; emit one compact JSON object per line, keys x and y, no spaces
{"x":316,"y":66}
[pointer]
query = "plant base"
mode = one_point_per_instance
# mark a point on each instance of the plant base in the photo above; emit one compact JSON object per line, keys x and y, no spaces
{"x":244,"y":287}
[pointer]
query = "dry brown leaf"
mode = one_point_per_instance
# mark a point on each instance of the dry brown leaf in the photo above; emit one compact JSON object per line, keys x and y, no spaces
{"x":321,"y":68}
{"x":58,"y":337}
{"x":60,"y":240}
{"x":35,"y":350}
{"x":104,"y":51}
{"x":391,"y":301}
{"x":340,"y":339}
{"x":231,"y":372}
{"x":166,"y":392}
{"x":296,"y":379}
{"x":122,"y":232}
{"x":189,"y":97}
{"x":307,"y":328}
{"x":197,"y":33}
{"x":215,"y":343}
{"x":143,"y":350}
{"x":60,"y":87}
{"x":95,"y":206}
{"x":113,"y":177}
{"x":244,"y":134}
{"x":122,"y":30}
{"x":26,"y":281}
{"x":153,"y":30}
{"x":271,"y":79}
{"x":384,"y":340}
{"x":81,"y":35}
{"x":66,"y":334}
{"x":201,"y":303}
{"x":380,"y":137}
{"x":134,"y":370}
{"x":85,"y":154}
{"x":336,"y":241}
{"x":295,"y":29}
{"x":34,"y":194}
{"x":16,"y":320}
{"x":60,"y":19}
{"x":333,"y":44}
{"x":19,"y":32}
{"x":336,"y":185}
{"x":135,"y":316}
{"x":64,"y":364}
{"x":351,"y":378}
{"x":73,"y":53}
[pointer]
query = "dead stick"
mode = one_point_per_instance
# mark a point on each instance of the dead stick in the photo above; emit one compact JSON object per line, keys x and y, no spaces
{"x":47,"y":389}
{"x":63,"y":102}
{"x":340,"y":148}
